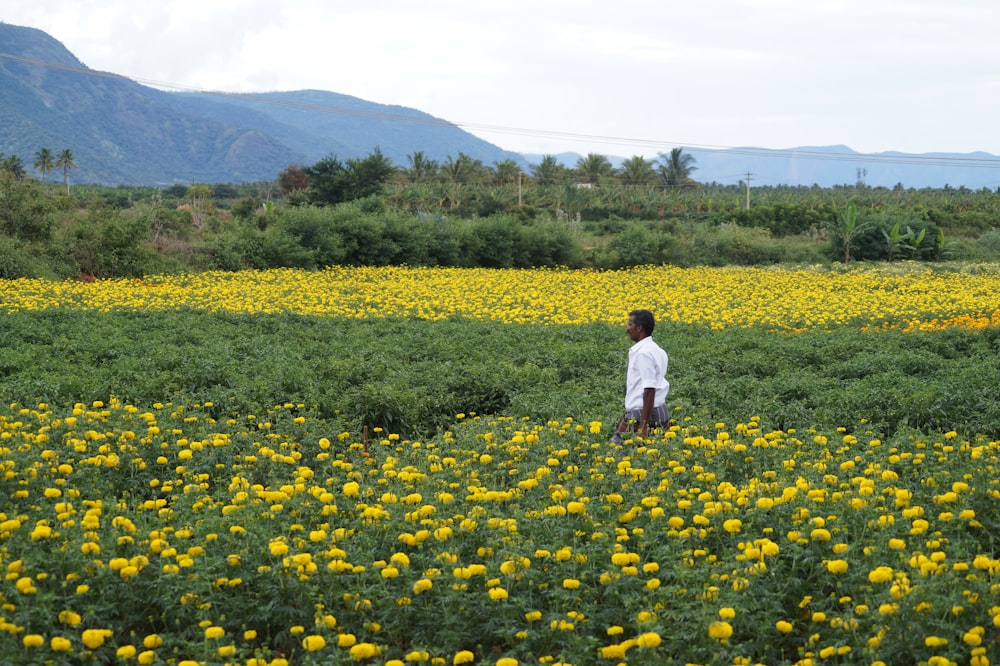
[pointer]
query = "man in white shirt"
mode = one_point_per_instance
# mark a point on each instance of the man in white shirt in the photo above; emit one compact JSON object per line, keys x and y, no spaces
{"x":646,"y":384}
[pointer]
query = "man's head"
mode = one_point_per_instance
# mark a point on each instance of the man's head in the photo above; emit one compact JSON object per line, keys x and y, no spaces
{"x":640,"y":324}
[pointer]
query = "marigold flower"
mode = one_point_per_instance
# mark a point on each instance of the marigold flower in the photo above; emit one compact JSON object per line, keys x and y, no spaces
{"x":313,"y":642}
{"x":720,"y":630}
{"x":498,"y":593}
{"x":60,"y":644}
{"x":881,"y":574}
{"x":836,"y":566}
{"x":463,"y":657}
{"x":33,"y":640}
{"x":363,"y":651}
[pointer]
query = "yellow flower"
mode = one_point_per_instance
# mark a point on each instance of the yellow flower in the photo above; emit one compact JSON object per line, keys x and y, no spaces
{"x":314,"y":642}
{"x":733,"y":525}
{"x":33,"y":640}
{"x":25,"y":585}
{"x":146,"y":657}
{"x":69,"y":617}
{"x":363,"y":651}
{"x":571,"y":584}
{"x":720,"y":630}
{"x":783,"y":626}
{"x":215,"y":632}
{"x":152,"y":641}
{"x":836,"y":566}
{"x":60,"y":644}
{"x":650,"y":639}
{"x":881,"y":574}
{"x":498,"y":593}
{"x":94,"y":638}
{"x":616,"y":652}
{"x":463,"y":657}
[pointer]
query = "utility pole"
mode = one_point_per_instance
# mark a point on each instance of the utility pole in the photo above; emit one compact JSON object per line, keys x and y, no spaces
{"x":748,"y":190}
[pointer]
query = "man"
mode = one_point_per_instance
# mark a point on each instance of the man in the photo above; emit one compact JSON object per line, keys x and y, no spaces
{"x":646,"y":384}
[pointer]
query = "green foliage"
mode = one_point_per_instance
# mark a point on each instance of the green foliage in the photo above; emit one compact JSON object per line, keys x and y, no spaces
{"x":25,"y":210}
{"x":110,"y":244}
{"x":474,"y":223}
{"x":332,"y":181}
{"x":783,"y":219}
{"x":406,"y":373}
{"x":19,"y":259}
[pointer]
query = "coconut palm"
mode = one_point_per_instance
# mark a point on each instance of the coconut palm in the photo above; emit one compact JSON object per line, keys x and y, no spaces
{"x":505,"y":172}
{"x":593,"y":168}
{"x":462,"y":169}
{"x":65,"y":161}
{"x":676,"y":169}
{"x":44,"y":161}
{"x":548,"y":171}
{"x":421,"y":168}
{"x":636,"y":170}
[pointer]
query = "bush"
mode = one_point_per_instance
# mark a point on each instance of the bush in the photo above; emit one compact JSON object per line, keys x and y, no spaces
{"x":25,"y":209}
{"x":110,"y":245}
{"x":636,"y":246}
{"x":18,"y":260}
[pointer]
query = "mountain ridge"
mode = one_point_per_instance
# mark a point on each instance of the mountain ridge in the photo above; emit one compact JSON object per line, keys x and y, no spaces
{"x":123,"y":132}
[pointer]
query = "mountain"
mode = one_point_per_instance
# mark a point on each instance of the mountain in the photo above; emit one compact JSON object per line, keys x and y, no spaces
{"x":122,"y":132}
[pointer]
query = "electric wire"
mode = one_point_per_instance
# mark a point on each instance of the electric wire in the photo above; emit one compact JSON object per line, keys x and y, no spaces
{"x":930,"y":159}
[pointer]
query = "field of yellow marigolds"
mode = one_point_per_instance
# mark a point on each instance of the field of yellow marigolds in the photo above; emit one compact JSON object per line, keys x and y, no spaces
{"x":413,"y":466}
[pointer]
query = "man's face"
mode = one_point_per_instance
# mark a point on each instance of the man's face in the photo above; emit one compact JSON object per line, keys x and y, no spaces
{"x":634,"y":330}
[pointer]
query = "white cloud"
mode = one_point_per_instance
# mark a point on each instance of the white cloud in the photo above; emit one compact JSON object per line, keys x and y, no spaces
{"x":914,"y":76}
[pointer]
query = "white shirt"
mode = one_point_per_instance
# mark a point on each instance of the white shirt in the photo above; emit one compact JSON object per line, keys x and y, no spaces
{"x":647,"y":368}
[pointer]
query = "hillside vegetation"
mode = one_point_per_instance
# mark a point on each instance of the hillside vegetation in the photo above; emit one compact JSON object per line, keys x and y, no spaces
{"x":463,"y":213}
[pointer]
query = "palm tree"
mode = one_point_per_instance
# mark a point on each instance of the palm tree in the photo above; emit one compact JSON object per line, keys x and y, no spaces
{"x":548,"y":171}
{"x":636,"y":171}
{"x":421,"y":168}
{"x":593,"y":168}
{"x":65,"y":162}
{"x":43,"y":161}
{"x":505,"y":172}
{"x":676,"y":170}
{"x":13,"y":165}
{"x":463,"y":169}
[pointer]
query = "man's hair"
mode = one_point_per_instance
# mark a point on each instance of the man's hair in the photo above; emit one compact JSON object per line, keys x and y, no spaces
{"x":645,"y":319}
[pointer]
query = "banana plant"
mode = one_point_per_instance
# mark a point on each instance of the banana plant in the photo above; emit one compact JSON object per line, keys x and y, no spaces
{"x":846,"y":228}
{"x":896,"y":239}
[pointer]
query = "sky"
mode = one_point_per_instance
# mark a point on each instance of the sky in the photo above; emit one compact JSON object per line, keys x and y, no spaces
{"x":630,"y":77}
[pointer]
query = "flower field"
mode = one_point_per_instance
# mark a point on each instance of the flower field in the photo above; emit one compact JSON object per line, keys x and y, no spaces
{"x":906,"y":296}
{"x":176,"y":533}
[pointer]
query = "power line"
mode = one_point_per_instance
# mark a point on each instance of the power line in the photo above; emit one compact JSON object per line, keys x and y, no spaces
{"x":805,"y":154}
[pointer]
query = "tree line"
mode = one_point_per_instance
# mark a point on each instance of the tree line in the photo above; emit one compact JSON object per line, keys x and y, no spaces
{"x":462,"y":212}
